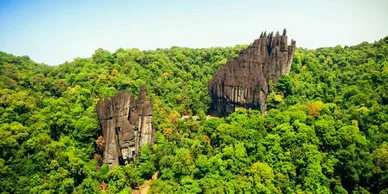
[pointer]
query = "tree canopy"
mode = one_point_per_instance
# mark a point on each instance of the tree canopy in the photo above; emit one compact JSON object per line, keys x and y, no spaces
{"x":326,"y":130}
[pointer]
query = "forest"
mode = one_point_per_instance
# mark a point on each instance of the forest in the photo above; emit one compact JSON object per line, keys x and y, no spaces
{"x":326,"y":130}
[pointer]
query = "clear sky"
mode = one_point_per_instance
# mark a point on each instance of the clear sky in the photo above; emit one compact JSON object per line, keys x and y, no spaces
{"x":53,"y":32}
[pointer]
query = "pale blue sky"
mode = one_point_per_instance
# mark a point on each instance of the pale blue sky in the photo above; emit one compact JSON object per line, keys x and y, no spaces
{"x":53,"y":32}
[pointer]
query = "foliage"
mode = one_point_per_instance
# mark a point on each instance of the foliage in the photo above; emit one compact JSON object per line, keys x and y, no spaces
{"x":326,"y":130}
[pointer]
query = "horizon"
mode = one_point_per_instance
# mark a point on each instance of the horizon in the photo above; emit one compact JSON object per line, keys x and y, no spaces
{"x":53,"y":33}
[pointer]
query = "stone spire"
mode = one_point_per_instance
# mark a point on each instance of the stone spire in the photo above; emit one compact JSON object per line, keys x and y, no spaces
{"x":126,"y":126}
{"x":244,"y":82}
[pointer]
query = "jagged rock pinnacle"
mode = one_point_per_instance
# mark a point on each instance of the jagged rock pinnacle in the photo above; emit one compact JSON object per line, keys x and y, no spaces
{"x":243,"y":82}
{"x":126,"y":126}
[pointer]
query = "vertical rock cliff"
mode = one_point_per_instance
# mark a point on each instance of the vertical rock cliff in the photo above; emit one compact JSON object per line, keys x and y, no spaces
{"x":244,"y":82}
{"x":126,"y":126}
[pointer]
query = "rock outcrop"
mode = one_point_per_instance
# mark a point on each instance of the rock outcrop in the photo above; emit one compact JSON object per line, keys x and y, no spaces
{"x":126,"y":126}
{"x":244,"y":82}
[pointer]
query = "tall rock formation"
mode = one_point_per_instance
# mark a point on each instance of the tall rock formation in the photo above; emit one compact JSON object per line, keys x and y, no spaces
{"x":126,"y":126}
{"x":244,"y":82}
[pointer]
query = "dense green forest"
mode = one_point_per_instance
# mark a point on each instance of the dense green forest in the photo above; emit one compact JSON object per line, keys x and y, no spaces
{"x":326,"y":130}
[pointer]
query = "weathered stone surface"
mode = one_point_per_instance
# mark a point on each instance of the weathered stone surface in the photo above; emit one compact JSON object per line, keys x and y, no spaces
{"x":126,"y":126}
{"x":244,"y":82}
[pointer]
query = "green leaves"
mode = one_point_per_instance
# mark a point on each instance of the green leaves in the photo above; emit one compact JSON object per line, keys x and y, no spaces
{"x":102,"y":56}
{"x":85,"y":128}
{"x":263,"y":178}
{"x":326,"y":130}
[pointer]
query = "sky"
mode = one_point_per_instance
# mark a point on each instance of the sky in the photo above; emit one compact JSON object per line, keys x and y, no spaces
{"x":54,"y":31}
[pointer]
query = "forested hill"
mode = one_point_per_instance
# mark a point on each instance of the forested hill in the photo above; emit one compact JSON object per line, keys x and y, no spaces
{"x":326,"y":129}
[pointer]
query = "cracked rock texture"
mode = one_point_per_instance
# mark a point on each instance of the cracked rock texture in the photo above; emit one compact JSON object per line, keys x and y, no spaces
{"x":244,"y":82}
{"x":126,"y":125}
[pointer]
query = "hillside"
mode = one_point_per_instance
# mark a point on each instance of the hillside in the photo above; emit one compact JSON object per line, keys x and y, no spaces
{"x":326,"y":130}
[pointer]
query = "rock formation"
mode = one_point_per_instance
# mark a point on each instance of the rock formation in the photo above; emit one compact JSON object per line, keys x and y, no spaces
{"x":244,"y":82}
{"x":126,"y":126}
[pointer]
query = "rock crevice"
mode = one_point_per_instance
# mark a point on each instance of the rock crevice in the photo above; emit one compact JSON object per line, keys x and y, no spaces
{"x":244,"y":82}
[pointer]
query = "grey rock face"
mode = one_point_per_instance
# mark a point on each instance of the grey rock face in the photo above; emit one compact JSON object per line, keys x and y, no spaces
{"x":244,"y":82}
{"x":126,"y":126}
